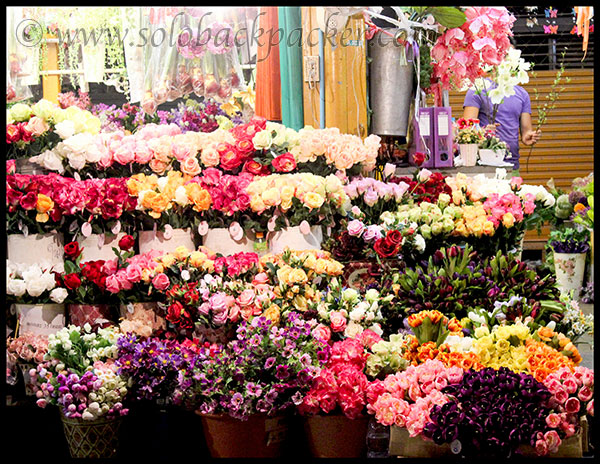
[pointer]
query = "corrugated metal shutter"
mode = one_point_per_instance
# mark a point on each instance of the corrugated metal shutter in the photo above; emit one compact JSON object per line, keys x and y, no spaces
{"x":566,"y":149}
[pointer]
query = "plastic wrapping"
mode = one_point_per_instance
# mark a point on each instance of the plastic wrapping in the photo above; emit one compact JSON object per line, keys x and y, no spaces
{"x":188,"y":52}
{"x":22,"y":55}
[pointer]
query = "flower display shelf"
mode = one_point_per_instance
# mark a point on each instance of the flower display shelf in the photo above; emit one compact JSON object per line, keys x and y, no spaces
{"x":99,"y":247}
{"x":402,"y":444}
{"x":219,"y":240}
{"x":293,"y":238}
{"x":167,"y":242}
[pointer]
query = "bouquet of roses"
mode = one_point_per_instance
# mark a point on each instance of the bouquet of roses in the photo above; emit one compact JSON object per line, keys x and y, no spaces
{"x":424,"y":185}
{"x":80,"y":375}
{"x":35,"y":284}
{"x":266,"y":370}
{"x":291,"y":199}
{"x":342,"y":383}
{"x":347,"y":314}
{"x":27,"y":348}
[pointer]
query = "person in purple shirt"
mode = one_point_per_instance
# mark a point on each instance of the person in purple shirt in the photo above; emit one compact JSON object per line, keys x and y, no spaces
{"x":514,"y":114}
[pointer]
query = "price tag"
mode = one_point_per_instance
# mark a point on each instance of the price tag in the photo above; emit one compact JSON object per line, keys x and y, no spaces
{"x":203,"y":228}
{"x":442,"y":124}
{"x":424,"y":125}
{"x":116,"y":228}
{"x":86,"y":229}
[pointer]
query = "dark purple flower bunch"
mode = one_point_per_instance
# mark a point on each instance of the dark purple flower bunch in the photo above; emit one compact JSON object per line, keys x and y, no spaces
{"x":491,"y":413}
{"x":152,"y":365}
{"x":267,"y":369}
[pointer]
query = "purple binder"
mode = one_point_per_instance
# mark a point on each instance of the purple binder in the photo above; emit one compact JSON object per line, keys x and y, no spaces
{"x":442,"y":137}
{"x":423,"y":140}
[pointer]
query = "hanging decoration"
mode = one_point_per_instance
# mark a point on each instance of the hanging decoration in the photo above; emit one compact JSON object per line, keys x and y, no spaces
{"x":584,"y":15}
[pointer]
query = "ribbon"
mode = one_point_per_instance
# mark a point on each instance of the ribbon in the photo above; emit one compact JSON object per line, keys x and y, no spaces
{"x":584,"y":14}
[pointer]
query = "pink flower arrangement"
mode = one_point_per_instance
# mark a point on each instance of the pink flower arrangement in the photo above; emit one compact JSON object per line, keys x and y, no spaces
{"x":405,"y":398}
{"x":228,"y":192}
{"x":341,"y":383}
{"x":27,"y":348}
{"x":462,"y":54}
{"x":572,"y":398}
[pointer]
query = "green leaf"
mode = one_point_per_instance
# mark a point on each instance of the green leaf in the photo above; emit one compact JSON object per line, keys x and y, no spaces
{"x":71,"y":267}
{"x":448,"y":16}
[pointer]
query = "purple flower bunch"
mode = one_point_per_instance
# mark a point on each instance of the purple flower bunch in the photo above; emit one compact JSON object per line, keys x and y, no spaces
{"x":96,"y":393}
{"x":197,"y":116}
{"x":151,"y":365}
{"x":490,"y":413}
{"x":267,"y":369}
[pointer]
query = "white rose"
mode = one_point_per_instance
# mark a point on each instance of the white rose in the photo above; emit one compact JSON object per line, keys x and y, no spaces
{"x":49,"y":280}
{"x":35,"y":287}
{"x":93,"y":153}
{"x":262,"y":140}
{"x":65,"y":129}
{"x":181,"y":197}
{"x":77,"y":160}
{"x":31,"y":273}
{"x":58,"y":295}
{"x":50,"y":160}
{"x":353,"y":330}
{"x":357,"y":313}
{"x":419,"y":243}
{"x":79,"y":143}
{"x":16,"y":287}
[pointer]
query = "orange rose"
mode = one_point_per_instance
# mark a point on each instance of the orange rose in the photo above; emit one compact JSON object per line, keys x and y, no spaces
{"x":198,"y":196}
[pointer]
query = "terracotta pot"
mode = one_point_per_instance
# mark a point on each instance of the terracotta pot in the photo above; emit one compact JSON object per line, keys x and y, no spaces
{"x":258,"y":437}
{"x":336,"y":436}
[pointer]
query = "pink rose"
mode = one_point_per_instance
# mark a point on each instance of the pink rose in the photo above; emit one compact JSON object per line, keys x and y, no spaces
{"x":204,"y":308}
{"x":190,"y":166}
{"x":124,"y":154}
{"x":337,"y":321}
{"x":134,"y":273}
{"x":541,"y":448}
{"x":552,"y":440}
{"x":112,"y":284}
{"x":124,"y":282}
{"x":246,"y":297}
{"x":553,"y":420}
{"x":161,"y":281}
{"x":234,"y":313}
{"x":515,"y":182}
{"x":143,"y":155}
{"x":572,"y":405}
{"x":218,"y":302}
{"x":260,"y":278}
{"x":322,"y":333}
{"x":183,"y":150}
{"x":210,"y":157}
{"x":356,"y":228}
{"x":590,"y":408}
{"x":157,"y":166}
{"x":37,"y":126}
{"x":220,"y":318}
{"x":568,"y":429}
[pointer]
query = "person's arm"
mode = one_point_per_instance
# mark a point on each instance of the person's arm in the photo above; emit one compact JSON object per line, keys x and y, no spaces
{"x":471,"y":112}
{"x":528,"y":135}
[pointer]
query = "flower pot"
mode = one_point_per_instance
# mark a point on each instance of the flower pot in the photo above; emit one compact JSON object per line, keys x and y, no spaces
{"x":151,"y":240}
{"x":25,"y":368}
{"x":569,"y":269}
{"x":336,"y":436}
{"x":40,"y":319}
{"x":141,"y":318}
{"x":258,"y":437}
{"x":92,"y":439}
{"x":468,"y":153}
{"x":97,"y":315}
{"x":220,"y":241}
{"x":95,"y":247}
{"x":488,"y":156}
{"x":294,"y":239}
{"x":402,"y":444}
{"x":37,"y":249}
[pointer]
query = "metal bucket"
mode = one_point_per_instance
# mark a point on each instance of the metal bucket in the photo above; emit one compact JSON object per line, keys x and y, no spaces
{"x":390,"y":85}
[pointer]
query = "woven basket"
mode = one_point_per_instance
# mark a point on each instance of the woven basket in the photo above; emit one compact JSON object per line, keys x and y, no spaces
{"x":92,"y":439}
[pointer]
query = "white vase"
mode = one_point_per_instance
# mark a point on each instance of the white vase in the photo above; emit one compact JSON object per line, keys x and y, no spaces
{"x":294,"y":239}
{"x":40,"y":319}
{"x":95,"y":248}
{"x":488,"y":156}
{"x":569,"y":269}
{"x":151,"y":240}
{"x":37,"y":249}
{"x":468,"y":153}
{"x":220,"y":241}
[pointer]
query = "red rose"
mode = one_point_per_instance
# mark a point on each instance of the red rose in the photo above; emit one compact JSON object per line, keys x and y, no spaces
{"x":230,"y":159}
{"x":28,"y":201}
{"x":253,"y":167}
{"x":13,"y":196}
{"x":174,"y":312}
{"x":72,"y":281}
{"x":24,"y":133}
{"x":284,"y":163}
{"x":12,"y":133}
{"x":126,"y":243}
{"x":394,"y":237}
{"x":72,"y":250}
{"x":385,"y":249}
{"x":419,"y":158}
{"x":244,"y":146}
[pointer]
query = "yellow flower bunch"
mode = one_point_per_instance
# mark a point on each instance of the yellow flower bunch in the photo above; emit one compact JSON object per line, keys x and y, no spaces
{"x":473,"y":221}
{"x":200,"y":259}
{"x":160,"y":194}
{"x":504,"y":346}
{"x":279,"y":191}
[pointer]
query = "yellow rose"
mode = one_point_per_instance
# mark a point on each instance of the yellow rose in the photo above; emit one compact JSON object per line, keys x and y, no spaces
{"x":321,"y":266}
{"x":334,"y":268}
{"x":159,"y":269}
{"x":300,"y":302}
{"x":167,"y":259}
{"x":313,"y":200}
{"x":283,"y":274}
{"x":271,"y":197}
{"x":488,"y":228}
{"x":273,"y":313}
{"x":44,"y":204}
{"x":502,"y":332}
{"x":287,"y":193}
{"x":481,"y":331}
{"x":197,"y":258}
{"x":508,"y":220}
{"x":502,"y":345}
{"x":297,"y":276}
{"x":181,"y":252}
{"x":521,"y":331}
{"x":485,"y":342}
{"x":477,"y":228}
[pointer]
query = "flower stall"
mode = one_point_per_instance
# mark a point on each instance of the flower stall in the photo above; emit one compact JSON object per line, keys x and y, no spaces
{"x":235,"y":287}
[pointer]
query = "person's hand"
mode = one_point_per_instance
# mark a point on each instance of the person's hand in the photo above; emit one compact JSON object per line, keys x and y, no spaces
{"x":492,"y":127}
{"x":531,"y":137}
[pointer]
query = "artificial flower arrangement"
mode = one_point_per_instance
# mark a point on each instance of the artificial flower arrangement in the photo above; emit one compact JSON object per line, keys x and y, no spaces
{"x":151,"y":365}
{"x":34,"y":284}
{"x":468,"y":131}
{"x":298,"y":278}
{"x":32,"y":129}
{"x":26,"y":348}
{"x":342,"y":384}
{"x":293,"y":199}
{"x":345,"y":313}
{"x":266,"y":370}
{"x":79,"y":374}
{"x":322,"y":151}
{"x":42,"y":203}
{"x":456,"y":281}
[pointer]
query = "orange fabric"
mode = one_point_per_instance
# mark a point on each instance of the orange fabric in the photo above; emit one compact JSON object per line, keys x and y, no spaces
{"x":584,"y":13}
{"x":268,"y":80}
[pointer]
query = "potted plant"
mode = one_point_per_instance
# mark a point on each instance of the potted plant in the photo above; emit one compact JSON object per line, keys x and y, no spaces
{"x":468,"y":137}
{"x":334,"y":410}
{"x":79,"y":376}
{"x":244,"y":390}
{"x":492,"y":150}
{"x":569,"y":247}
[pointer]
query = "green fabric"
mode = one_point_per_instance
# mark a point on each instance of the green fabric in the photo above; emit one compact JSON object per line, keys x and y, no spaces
{"x":290,"y":63}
